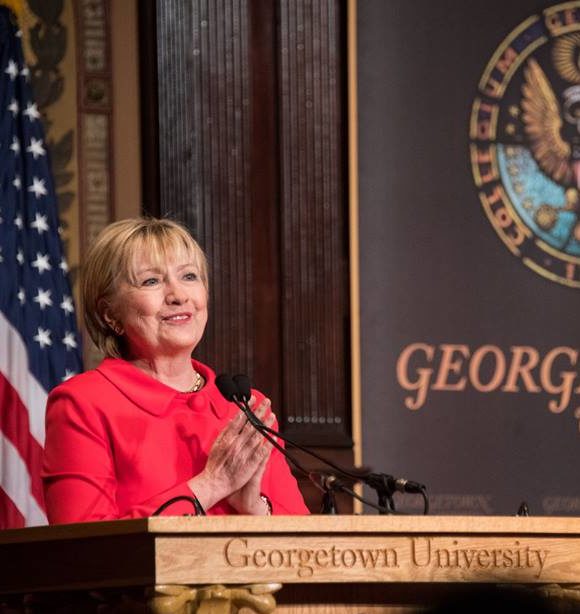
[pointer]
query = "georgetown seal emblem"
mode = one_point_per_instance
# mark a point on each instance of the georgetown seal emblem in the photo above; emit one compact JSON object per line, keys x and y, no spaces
{"x":525,"y":142}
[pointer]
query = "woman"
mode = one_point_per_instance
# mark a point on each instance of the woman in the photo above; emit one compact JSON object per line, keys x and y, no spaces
{"x":149,"y":425}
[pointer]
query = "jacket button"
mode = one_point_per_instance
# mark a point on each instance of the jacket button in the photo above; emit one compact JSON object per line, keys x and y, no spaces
{"x":197,"y":402}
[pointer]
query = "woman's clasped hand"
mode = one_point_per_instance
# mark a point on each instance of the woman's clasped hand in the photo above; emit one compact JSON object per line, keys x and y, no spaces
{"x":236,"y":464}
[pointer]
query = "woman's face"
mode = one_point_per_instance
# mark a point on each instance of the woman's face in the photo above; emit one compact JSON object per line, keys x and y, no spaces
{"x":165,"y":310}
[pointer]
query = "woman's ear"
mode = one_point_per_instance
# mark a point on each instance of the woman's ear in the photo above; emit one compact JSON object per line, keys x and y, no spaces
{"x":107,"y":314}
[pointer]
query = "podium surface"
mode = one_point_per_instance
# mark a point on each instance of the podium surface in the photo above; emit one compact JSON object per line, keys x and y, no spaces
{"x":312,"y":556}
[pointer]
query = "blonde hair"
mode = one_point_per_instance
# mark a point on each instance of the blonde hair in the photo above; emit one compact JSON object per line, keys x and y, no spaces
{"x":111,"y":259}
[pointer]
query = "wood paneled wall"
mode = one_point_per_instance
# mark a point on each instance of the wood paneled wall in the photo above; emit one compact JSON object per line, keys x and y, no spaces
{"x":245,"y":141}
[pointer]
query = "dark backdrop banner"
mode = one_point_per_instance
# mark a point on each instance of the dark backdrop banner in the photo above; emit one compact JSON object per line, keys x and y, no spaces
{"x":469,"y":154}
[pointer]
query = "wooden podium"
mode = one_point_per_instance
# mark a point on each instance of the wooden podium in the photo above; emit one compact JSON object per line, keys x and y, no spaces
{"x":313,"y":564}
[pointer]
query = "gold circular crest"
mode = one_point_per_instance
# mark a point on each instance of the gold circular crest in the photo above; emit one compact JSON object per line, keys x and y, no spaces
{"x":525,"y":142}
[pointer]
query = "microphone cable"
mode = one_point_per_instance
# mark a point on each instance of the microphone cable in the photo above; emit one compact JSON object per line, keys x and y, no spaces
{"x":199,"y":511}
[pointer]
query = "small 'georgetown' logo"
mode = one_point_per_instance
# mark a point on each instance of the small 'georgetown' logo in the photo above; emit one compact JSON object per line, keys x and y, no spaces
{"x":525,"y":142}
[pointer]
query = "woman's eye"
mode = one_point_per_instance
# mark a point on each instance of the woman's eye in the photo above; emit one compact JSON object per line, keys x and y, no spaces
{"x":151,"y":281}
{"x":190,"y":276}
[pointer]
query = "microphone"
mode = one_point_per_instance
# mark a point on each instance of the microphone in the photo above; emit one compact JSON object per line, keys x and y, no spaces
{"x":244,"y":386}
{"x":240,"y":395}
{"x":227,"y":387}
{"x":391,"y":484}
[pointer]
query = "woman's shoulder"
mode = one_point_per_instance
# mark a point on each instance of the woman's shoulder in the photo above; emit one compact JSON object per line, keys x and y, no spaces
{"x":83,"y":382}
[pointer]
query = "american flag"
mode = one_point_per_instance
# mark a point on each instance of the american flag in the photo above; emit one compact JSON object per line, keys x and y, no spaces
{"x":39,"y":344}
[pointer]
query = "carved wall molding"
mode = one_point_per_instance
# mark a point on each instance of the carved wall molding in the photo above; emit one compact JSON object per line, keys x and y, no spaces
{"x":95,"y":112}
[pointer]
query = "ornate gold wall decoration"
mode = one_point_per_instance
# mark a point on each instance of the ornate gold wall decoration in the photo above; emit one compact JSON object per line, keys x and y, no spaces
{"x":48,"y":36}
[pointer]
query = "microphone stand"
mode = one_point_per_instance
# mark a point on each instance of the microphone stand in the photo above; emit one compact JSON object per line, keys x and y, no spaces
{"x":328,"y":487}
{"x":379,"y":482}
{"x":328,"y":484}
{"x":329,"y":502}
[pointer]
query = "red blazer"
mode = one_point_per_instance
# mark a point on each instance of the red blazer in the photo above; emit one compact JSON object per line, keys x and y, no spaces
{"x":119,"y":444}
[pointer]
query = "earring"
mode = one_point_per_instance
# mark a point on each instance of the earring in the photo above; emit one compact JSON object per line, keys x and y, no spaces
{"x":117,"y":329}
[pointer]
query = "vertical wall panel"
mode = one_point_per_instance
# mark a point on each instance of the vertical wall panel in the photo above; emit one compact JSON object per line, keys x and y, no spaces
{"x":251,"y":150}
{"x":312,"y":201}
{"x":204,"y":123}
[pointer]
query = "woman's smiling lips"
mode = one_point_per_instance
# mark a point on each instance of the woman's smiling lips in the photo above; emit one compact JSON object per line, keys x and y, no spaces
{"x":177,"y":318}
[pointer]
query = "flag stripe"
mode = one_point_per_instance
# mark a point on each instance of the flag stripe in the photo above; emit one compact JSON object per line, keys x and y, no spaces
{"x":14,"y":426}
{"x":14,"y":367}
{"x":9,"y":515}
{"x":15,"y":482}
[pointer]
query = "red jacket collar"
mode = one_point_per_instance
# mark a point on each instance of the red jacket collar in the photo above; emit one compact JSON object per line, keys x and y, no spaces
{"x":153,"y":396}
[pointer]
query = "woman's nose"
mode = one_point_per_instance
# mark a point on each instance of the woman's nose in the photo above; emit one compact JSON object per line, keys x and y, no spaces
{"x":175,"y":293}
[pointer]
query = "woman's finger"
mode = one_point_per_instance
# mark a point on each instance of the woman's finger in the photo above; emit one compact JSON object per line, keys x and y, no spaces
{"x":263,"y":408}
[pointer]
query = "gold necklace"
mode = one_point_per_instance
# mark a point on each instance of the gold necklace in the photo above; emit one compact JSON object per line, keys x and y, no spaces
{"x":197,"y":384}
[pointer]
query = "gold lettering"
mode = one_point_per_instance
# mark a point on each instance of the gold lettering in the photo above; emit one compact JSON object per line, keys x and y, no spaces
{"x":503,"y":218}
{"x":484,"y":164}
{"x":493,"y":88}
{"x":553,"y":23}
{"x":524,"y":359}
{"x":485,"y":130}
{"x":507,"y":60}
{"x":482,"y":156}
{"x":453,"y":367}
{"x":495,"y":197}
{"x":475,"y":367}
{"x":517,"y":236}
{"x":448,"y":365}
{"x":421,"y":384}
{"x":558,"y":23}
{"x":564,"y":389}
{"x":489,"y":175}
